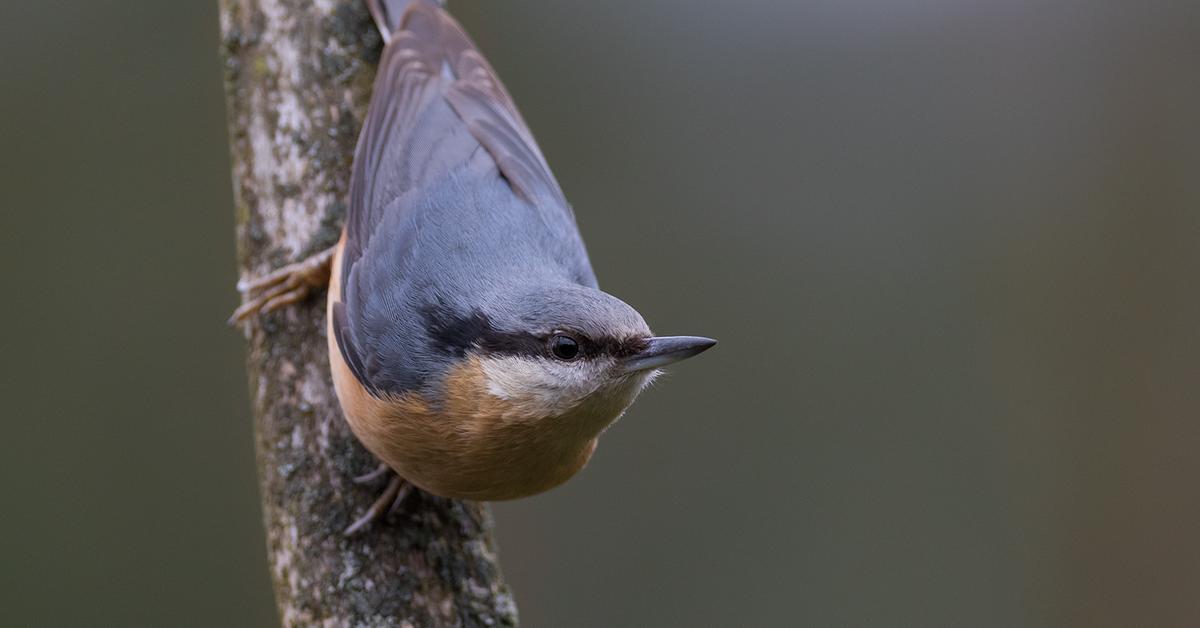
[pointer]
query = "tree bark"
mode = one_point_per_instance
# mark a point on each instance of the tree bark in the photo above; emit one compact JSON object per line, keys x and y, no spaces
{"x":298,"y":80}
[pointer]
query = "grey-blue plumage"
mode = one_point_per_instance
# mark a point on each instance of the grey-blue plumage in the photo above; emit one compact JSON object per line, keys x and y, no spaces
{"x":457,"y":234}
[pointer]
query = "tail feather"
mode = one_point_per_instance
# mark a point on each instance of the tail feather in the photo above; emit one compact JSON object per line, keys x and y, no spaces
{"x":389,"y":14}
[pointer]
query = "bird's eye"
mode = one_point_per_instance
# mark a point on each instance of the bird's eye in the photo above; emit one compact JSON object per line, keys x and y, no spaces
{"x":564,"y":347}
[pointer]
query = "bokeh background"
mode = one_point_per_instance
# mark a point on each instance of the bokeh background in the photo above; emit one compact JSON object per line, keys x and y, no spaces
{"x":951,"y":250}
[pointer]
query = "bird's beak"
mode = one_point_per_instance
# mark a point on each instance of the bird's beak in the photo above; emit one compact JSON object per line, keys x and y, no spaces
{"x":667,"y":350}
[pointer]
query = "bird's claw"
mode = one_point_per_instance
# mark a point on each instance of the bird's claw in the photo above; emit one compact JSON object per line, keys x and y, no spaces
{"x":368,"y":478}
{"x":283,"y":287}
{"x":389,"y":502}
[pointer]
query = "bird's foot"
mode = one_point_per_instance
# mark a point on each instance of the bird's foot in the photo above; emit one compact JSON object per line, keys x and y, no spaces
{"x":389,"y":502}
{"x":283,"y":287}
{"x":368,"y":478}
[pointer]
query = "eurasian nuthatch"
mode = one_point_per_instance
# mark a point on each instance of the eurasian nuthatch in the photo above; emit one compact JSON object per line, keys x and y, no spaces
{"x":471,"y":349}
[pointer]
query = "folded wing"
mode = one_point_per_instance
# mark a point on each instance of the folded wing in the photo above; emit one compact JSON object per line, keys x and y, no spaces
{"x":437,"y":104}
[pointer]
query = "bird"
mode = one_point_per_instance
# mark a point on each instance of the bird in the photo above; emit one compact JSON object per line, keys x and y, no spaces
{"x":471,"y":348}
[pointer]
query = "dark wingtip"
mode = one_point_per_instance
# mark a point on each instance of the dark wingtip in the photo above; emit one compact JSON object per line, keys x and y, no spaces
{"x":348,"y":349}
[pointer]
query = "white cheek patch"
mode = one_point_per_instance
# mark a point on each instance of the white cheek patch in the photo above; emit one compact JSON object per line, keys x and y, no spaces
{"x":511,"y":377}
{"x":552,"y":386}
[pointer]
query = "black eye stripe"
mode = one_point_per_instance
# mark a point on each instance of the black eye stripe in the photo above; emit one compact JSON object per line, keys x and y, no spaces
{"x":624,"y":348}
{"x":456,"y":334}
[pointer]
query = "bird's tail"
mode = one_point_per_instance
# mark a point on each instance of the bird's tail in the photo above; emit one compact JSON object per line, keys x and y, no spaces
{"x":389,"y":14}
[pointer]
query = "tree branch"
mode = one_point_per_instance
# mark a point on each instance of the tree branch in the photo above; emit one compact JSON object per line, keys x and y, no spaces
{"x":298,"y":79}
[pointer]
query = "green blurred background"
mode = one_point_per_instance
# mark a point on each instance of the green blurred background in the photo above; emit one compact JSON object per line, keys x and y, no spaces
{"x":951,"y":250}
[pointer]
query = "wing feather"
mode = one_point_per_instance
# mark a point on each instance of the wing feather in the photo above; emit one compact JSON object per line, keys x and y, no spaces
{"x":438,"y":110}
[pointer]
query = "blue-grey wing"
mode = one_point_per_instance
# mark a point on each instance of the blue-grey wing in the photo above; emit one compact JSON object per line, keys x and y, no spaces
{"x":441,"y":129}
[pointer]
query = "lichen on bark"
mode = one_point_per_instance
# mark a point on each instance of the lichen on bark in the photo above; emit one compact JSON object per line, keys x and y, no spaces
{"x":298,"y":80}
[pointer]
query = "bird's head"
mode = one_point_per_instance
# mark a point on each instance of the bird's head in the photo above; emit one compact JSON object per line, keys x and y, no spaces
{"x":569,"y":354}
